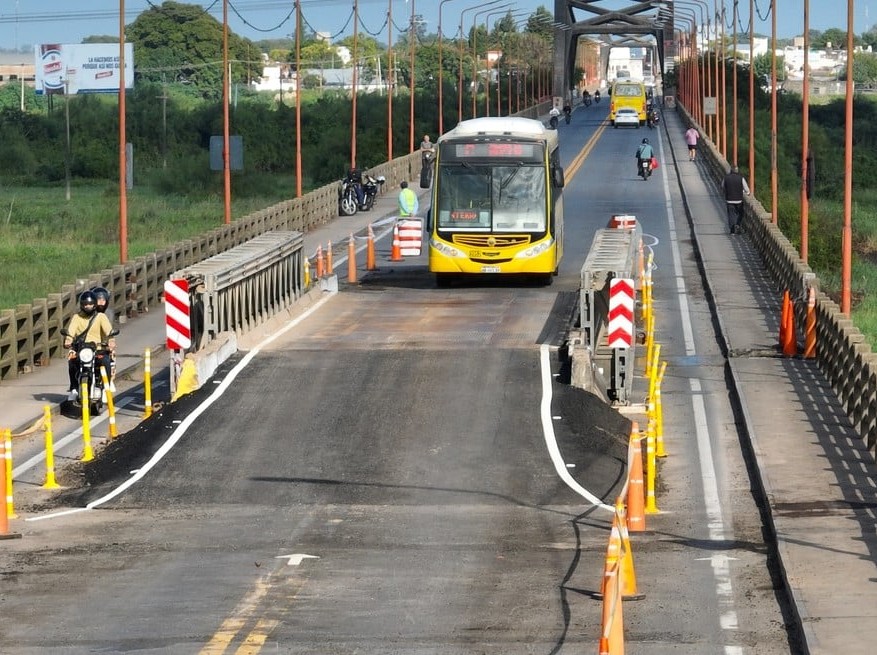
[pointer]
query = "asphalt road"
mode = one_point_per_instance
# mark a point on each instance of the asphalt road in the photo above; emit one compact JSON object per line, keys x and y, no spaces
{"x":378,"y":480}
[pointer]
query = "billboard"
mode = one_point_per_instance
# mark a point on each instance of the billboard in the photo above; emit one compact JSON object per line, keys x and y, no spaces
{"x":81,"y":68}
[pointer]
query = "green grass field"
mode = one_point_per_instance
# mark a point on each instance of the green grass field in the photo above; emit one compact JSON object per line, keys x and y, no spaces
{"x":47,"y":241}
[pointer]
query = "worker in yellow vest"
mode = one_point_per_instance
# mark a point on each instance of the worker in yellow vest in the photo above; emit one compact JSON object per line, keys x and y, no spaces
{"x":408,"y":202}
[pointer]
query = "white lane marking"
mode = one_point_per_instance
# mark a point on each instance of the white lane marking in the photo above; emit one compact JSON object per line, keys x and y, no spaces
{"x":551,"y":438}
{"x":716,"y":526}
{"x":181,"y":429}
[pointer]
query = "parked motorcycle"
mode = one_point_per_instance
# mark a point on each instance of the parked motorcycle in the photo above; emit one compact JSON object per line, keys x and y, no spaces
{"x":91,"y":357}
{"x":371,"y":186}
{"x":348,"y":202}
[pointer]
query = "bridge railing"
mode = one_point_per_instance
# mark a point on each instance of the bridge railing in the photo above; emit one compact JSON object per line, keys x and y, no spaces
{"x":842,"y":352}
{"x":30,"y":333}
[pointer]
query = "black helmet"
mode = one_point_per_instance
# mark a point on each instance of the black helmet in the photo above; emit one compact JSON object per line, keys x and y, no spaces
{"x":645,"y":140}
{"x":102,"y":296}
{"x":87,"y":302}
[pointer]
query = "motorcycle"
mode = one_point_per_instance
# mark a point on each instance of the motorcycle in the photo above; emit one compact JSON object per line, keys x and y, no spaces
{"x":348,"y":202}
{"x":597,"y":98}
{"x":370,"y":188}
{"x":552,"y":122}
{"x":91,"y":358}
{"x":567,"y":114}
{"x":586,"y":101}
{"x":645,"y":168}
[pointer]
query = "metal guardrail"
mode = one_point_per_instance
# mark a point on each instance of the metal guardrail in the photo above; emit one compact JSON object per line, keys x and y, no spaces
{"x":244,"y":287}
{"x":613,"y":254}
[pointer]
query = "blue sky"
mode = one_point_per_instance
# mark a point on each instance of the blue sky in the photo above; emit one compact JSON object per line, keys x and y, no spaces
{"x":24,"y":22}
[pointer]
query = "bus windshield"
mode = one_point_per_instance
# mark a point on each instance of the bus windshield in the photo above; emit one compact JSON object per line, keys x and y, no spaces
{"x":481,"y":197}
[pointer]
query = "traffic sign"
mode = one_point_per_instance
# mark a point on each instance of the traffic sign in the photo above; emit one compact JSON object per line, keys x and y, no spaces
{"x":621,"y":298}
{"x":176,"y":306}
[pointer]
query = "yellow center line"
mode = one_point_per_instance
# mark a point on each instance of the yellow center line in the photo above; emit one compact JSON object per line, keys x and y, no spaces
{"x":579,"y":159}
{"x":256,"y":639}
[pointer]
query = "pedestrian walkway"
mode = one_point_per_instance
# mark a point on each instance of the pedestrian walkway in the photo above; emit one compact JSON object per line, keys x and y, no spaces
{"x":815,"y":473}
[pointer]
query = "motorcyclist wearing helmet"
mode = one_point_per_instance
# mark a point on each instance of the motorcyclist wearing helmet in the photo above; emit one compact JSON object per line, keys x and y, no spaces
{"x":103,"y":306}
{"x":644,"y":152}
{"x":92,"y":326}
{"x":103,"y":303}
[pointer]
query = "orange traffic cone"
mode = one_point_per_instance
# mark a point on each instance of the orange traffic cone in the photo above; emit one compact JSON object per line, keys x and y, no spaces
{"x":611,"y":568}
{"x":329,"y":269}
{"x":628,"y":574}
{"x":636,"y":517}
{"x":789,"y":343}
{"x":370,"y":250}
{"x":784,"y":318}
{"x":612,"y":629}
{"x":396,"y":252}
{"x":810,"y":326}
{"x":319,"y":261}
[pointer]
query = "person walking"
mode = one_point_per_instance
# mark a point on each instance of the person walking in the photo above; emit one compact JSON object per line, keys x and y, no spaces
{"x":408,"y":202}
{"x":691,"y":137}
{"x":735,"y":187}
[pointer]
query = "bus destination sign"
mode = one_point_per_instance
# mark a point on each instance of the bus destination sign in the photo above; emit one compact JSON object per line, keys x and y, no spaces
{"x":496,"y":149}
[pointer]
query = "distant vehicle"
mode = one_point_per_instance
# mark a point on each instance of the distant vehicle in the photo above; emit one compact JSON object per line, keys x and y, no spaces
{"x":628,"y":94}
{"x":626,"y":117}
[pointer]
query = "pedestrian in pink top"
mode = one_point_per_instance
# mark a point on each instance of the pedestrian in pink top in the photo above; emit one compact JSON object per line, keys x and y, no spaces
{"x":691,"y":137}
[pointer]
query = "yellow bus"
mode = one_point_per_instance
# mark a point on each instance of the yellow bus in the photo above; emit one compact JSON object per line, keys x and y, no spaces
{"x":628,"y":93}
{"x":497,"y":203}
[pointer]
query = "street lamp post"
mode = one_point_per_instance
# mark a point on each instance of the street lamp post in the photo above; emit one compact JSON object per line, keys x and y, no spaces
{"x":411,"y":81}
{"x":805,"y":137}
{"x":298,"y":81}
{"x":123,"y":159}
{"x":847,"y":233}
{"x":475,"y":52}
{"x":487,"y":61}
{"x":390,"y":79}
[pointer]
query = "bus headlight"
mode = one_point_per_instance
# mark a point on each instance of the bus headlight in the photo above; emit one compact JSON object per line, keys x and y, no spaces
{"x":536,"y":250}
{"x":445,"y":249}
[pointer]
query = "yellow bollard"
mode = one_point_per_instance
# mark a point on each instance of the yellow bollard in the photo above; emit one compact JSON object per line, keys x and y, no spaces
{"x":111,"y":406}
{"x":50,"y":482}
{"x":87,"y":452}
{"x":659,"y":414}
{"x":370,"y":250}
{"x":147,"y":384}
{"x":307,"y":280}
{"x":651,"y":465}
{"x":10,"y":506}
{"x":4,"y":517}
{"x":351,"y":260}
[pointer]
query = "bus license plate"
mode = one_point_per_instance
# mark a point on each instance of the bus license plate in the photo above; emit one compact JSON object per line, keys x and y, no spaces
{"x":490,"y":269}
